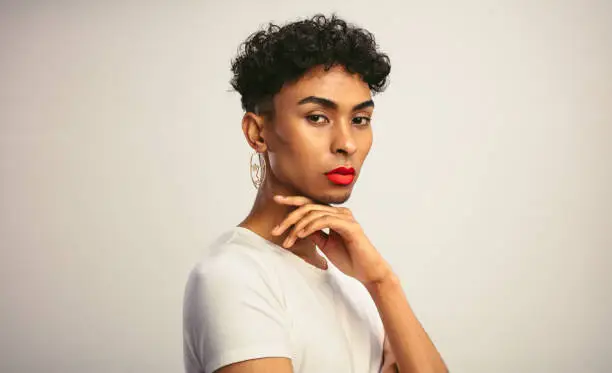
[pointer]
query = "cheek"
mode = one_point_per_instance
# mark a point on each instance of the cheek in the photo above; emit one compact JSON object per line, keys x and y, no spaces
{"x":305,"y":141}
{"x":305,"y":155}
{"x":292,"y":148}
{"x":365,"y":143}
{"x":285,"y":131}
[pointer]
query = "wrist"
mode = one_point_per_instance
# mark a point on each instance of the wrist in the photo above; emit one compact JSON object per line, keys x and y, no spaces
{"x":389,"y":279}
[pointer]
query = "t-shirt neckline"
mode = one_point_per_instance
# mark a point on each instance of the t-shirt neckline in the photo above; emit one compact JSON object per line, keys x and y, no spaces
{"x":318,"y":272}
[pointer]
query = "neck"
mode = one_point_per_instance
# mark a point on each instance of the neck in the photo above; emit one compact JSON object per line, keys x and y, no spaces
{"x":266,"y":214}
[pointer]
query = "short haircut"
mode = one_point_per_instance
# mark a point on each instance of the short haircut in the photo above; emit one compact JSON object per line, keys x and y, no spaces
{"x":276,"y":55}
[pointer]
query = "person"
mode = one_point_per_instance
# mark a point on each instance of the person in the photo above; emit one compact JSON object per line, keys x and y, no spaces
{"x":297,"y":286}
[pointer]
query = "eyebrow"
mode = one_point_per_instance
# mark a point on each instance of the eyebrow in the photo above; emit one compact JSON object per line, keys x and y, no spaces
{"x":332,"y":105}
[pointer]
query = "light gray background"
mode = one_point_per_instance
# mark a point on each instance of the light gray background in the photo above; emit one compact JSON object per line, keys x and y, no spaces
{"x":487,"y":188}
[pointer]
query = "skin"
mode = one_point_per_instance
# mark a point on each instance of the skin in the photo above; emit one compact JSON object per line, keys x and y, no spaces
{"x":304,"y":139}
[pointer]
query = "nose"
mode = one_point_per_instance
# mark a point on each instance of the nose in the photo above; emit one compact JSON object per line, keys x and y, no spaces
{"x":343,"y":140}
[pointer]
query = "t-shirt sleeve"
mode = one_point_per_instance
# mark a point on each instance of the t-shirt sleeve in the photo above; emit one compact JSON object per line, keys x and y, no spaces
{"x":231,"y":313}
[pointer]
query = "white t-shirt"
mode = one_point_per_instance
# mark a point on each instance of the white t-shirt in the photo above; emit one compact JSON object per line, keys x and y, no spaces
{"x":250,"y":298}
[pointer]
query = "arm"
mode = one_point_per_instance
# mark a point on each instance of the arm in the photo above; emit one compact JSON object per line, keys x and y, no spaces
{"x":410,"y":345}
{"x":389,"y":363}
{"x":347,"y":246}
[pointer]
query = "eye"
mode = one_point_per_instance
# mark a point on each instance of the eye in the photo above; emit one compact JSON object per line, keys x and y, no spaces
{"x":362,"y":121}
{"x":317,"y":118}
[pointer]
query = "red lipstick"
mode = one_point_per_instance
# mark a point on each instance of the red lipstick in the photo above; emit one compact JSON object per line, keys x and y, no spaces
{"x":341,"y":175}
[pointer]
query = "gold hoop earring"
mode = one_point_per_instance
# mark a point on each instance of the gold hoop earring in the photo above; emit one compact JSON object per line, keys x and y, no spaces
{"x":258,"y":170}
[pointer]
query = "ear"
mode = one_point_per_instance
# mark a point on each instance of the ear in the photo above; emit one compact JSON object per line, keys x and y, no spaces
{"x":253,"y":129}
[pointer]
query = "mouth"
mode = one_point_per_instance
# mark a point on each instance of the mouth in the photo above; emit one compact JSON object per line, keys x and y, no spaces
{"x":341,"y":175}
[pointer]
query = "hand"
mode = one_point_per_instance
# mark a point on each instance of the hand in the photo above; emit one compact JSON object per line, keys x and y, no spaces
{"x":346,"y":245}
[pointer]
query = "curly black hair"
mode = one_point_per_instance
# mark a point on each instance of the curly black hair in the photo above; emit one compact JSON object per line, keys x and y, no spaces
{"x":277,"y":55}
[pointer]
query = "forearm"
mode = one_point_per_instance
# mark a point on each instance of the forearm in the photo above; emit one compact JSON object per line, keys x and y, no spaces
{"x":412,"y":347}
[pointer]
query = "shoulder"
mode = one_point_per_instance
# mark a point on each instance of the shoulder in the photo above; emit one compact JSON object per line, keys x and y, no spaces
{"x":233,"y":308}
{"x":233,"y":264}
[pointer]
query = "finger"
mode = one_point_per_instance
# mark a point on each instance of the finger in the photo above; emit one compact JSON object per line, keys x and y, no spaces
{"x":296,"y":231}
{"x":346,"y":211}
{"x":292,"y":200}
{"x":298,"y":214}
{"x":297,"y":227}
{"x":299,"y":201}
{"x":300,"y":226}
{"x":320,"y":239}
{"x":342,"y":226}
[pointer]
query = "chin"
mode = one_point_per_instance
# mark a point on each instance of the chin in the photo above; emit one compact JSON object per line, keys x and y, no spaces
{"x":324,"y":195}
{"x":333,"y":198}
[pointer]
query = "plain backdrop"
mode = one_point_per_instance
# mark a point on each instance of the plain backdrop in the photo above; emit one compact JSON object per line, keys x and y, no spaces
{"x":488,"y":187}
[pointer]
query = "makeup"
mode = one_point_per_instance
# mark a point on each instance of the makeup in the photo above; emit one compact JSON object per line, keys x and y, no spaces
{"x":341,"y":175}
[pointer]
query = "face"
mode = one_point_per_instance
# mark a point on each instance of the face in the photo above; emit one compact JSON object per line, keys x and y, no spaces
{"x":320,"y":122}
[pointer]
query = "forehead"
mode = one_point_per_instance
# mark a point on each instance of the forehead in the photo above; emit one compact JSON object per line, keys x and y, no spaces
{"x":335,"y":84}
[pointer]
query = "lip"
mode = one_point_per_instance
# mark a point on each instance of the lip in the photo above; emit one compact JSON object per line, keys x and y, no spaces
{"x":342,"y":170}
{"x":341,"y":175}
